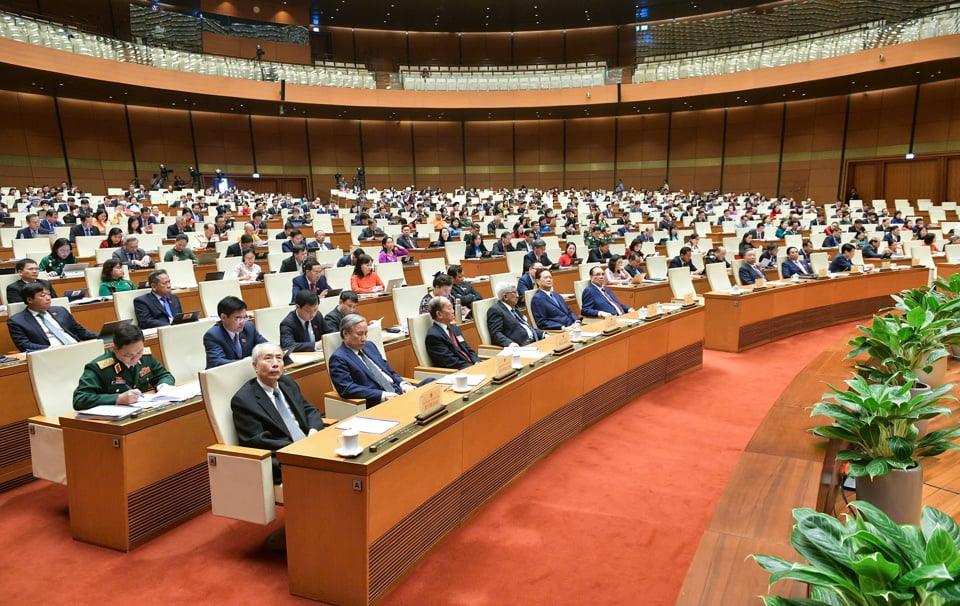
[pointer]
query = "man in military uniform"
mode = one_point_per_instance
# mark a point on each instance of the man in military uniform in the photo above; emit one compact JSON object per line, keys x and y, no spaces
{"x":119,"y":376}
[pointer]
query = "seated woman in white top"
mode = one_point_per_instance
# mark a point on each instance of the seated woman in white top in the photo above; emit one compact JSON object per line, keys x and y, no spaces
{"x":615,"y":273}
{"x":247,"y":270}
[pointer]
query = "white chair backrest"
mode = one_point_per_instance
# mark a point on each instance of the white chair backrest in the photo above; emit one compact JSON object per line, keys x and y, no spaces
{"x":718,"y":277}
{"x":222,"y":247}
{"x":329,"y":257}
{"x":818,"y":261}
{"x":578,"y":288}
{"x":102,"y":254}
{"x":339,"y":277}
{"x":55,"y":373}
{"x":92,"y":277}
{"x":418,"y":326}
{"x":6,"y":280}
{"x":219,"y":385}
{"x":406,"y":301}
{"x":673,"y":248}
{"x":496,"y":279}
{"x":454,"y":251}
{"x":585,"y":269}
{"x":8,"y":235}
{"x":527,"y":298}
{"x":327,"y":304}
{"x":275,"y":260}
{"x":735,"y":269}
{"x":430,"y":267}
{"x":390,"y":271}
{"x":515,"y":262}
{"x":953,"y":253}
{"x":681,"y":283}
{"x":211,"y":293}
{"x":182,"y":347}
{"x":181,"y":273}
{"x":123,"y":303}
{"x":268,"y":321}
{"x":921,"y":256}
{"x":275,"y":246}
{"x":480,"y":309}
{"x":657,"y":267}
{"x":33,"y":248}
{"x":279,"y":287}
{"x":793,"y":240}
{"x":87,"y":245}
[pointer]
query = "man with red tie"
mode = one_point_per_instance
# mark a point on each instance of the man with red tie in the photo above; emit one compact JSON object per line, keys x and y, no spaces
{"x":599,"y":301}
{"x":445,"y":343}
{"x":312,"y":279}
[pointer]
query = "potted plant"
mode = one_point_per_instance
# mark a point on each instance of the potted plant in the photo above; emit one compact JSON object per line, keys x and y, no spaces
{"x":949,"y":289}
{"x":884,"y":446}
{"x":944,"y":302}
{"x":868,"y":560}
{"x":904,"y":345}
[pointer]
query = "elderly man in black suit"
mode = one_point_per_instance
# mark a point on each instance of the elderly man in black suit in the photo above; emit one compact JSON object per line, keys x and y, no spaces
{"x":507,"y":326}
{"x":40,"y":326}
{"x":269,"y":411}
{"x":445,"y":343}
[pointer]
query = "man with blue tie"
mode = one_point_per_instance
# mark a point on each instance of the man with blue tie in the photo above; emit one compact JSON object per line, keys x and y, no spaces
{"x":357,"y":370}
{"x":159,"y":306}
{"x":507,"y":326}
{"x":598,"y":301}
{"x":32,"y":230}
{"x":231,"y":338}
{"x":750,"y":272}
{"x":794,"y":265}
{"x":311,"y":280}
{"x":84,"y":228}
{"x":549,"y":310}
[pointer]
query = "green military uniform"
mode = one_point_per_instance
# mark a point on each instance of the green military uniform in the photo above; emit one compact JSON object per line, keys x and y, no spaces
{"x":185,"y":255}
{"x":106,"y":377}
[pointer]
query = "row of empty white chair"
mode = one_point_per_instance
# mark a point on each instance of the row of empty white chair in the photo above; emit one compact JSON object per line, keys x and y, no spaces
{"x":41,"y":33}
{"x":518,"y":80}
{"x":828,"y":44}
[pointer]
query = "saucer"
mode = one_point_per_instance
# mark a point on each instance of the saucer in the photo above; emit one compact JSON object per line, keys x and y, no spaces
{"x":349,"y":454}
{"x":464,"y":390}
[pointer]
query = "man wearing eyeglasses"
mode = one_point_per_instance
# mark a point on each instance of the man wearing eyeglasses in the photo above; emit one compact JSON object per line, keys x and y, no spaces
{"x":231,"y":338}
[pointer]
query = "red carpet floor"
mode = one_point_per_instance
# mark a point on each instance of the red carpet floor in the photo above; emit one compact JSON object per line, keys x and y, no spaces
{"x":612,"y":517}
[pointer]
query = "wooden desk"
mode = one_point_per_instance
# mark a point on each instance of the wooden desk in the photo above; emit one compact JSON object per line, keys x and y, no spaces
{"x":19,"y":405}
{"x":645,"y":294}
{"x":390,"y":507}
{"x":484,"y":267}
{"x":738,"y":322}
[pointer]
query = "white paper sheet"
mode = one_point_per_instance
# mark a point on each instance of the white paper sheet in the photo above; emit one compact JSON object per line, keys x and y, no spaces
{"x":368,"y":425}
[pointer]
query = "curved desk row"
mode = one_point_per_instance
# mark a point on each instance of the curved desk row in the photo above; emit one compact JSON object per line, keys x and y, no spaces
{"x":391,"y":506}
{"x":739,"y":322}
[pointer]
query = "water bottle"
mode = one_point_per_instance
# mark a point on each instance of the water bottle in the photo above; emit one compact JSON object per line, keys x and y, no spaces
{"x":457,"y":310}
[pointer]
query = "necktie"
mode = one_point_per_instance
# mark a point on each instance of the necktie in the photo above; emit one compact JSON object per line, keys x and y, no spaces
{"x":55,"y":329}
{"x":556,"y":301}
{"x":166,"y":307}
{"x":524,"y":324}
{"x":307,"y":332}
{"x":453,"y":337}
{"x":33,"y":234}
{"x":377,"y":373}
{"x":236,"y":346}
{"x":617,"y":308}
{"x":293,"y":428}
{"x":86,"y":232}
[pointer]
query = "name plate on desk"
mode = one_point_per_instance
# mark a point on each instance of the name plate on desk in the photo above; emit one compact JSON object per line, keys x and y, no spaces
{"x":652,"y":311}
{"x":430,"y":398}
{"x":689,"y":298}
{"x":822,"y":272}
{"x":884,"y":265}
{"x":502,"y":364}
{"x":563,"y":339}
{"x":609,"y":323}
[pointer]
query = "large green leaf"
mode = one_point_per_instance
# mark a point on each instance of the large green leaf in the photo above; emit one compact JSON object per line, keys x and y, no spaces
{"x":771,"y":563}
{"x":940,"y":547}
{"x":932,"y":518}
{"x":877,"y":468}
{"x":920,"y":577}
{"x":875,"y":572}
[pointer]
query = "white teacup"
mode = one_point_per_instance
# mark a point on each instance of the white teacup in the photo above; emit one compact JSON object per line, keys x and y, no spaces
{"x":576,"y":334}
{"x":460,"y":381}
{"x":349,"y":440}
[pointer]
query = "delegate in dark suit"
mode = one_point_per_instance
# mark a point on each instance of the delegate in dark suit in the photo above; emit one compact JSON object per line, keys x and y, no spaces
{"x":402,"y":242}
{"x":531,"y":257}
{"x":233,"y":250}
{"x":331,"y":321}
{"x":151,"y":313}
{"x":293,"y":334}
{"x":840,"y":263}
{"x":27,"y":234}
{"x":750,"y":274}
{"x":14,"y":288}
{"x":220,"y":347}
{"x":506,"y":329}
{"x":300,"y":283}
{"x":500,"y":249}
{"x":551,"y":312}
{"x":78,"y":230}
{"x":791,"y":268}
{"x":352,"y":379}
{"x":259,"y":424}
{"x":444,"y":354}
{"x":28,"y":335}
{"x":592,"y":302}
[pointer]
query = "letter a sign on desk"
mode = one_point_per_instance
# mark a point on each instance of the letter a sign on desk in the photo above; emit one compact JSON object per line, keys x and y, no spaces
{"x":430,"y":397}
